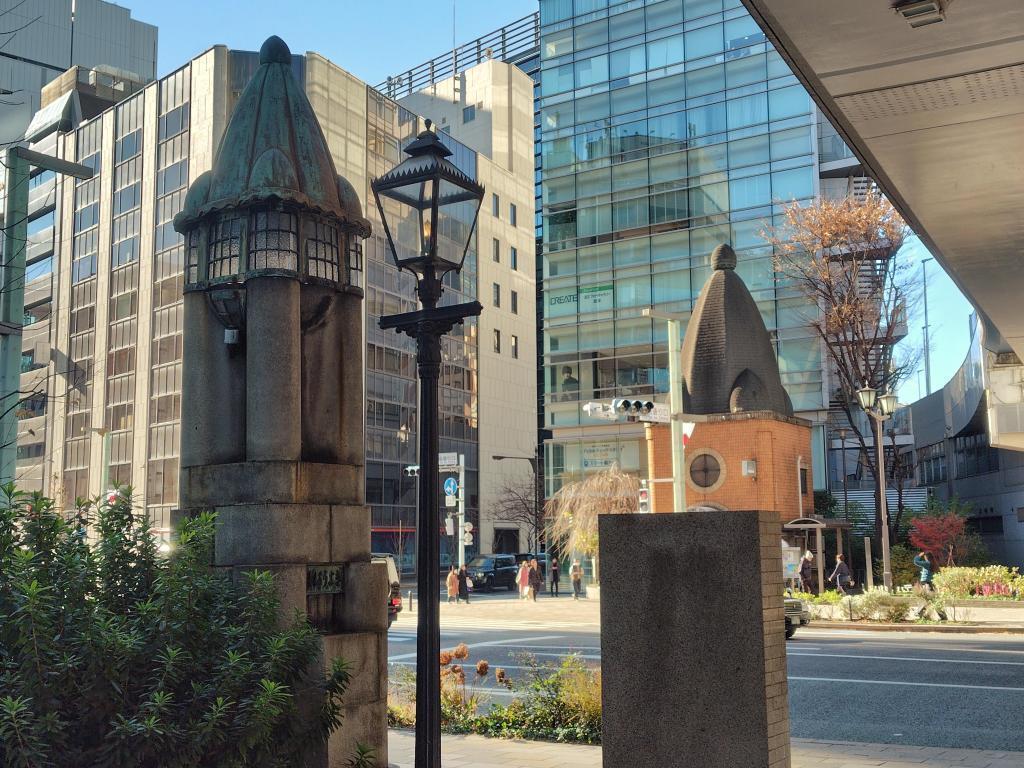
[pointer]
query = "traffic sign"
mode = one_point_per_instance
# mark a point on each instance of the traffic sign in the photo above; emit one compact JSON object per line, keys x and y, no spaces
{"x":467,"y":527}
{"x":447,"y":460}
{"x":451,"y":486}
{"x":450,"y":501}
{"x":449,"y":526}
{"x":659,"y":414}
{"x":467,"y":539}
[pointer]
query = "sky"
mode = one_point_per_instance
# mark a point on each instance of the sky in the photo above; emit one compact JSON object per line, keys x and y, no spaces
{"x":383,"y":37}
{"x":949,"y":315}
{"x":369,"y":38}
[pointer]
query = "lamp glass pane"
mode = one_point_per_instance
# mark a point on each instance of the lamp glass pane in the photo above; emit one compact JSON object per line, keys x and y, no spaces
{"x":867,"y":397}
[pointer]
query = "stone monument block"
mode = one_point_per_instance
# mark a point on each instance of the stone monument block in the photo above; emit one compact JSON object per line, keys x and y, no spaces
{"x":693,"y":653}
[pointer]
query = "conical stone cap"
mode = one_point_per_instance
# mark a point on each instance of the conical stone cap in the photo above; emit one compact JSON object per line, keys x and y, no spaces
{"x":273,"y":150}
{"x":728,"y":362}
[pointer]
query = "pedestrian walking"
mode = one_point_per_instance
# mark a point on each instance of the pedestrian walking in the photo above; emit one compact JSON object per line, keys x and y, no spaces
{"x":553,"y":590}
{"x":523,"y":580}
{"x":536,"y":579}
{"x":452,"y":582}
{"x":841,"y":575}
{"x":463,"y":581}
{"x":807,"y":572}
{"x":924,"y":562}
{"x":576,"y":575}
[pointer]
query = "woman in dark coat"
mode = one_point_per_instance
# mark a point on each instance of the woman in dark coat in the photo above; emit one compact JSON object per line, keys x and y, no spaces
{"x":463,"y":586}
{"x":536,"y":579}
{"x":841,"y":575}
{"x":807,"y":572}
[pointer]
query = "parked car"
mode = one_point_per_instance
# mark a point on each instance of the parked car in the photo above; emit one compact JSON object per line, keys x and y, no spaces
{"x":395,"y":593}
{"x":489,"y":572}
{"x":797,"y":614}
{"x":541,"y":557}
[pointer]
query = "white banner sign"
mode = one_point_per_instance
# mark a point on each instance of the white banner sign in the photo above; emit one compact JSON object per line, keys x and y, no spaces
{"x":660,"y":414}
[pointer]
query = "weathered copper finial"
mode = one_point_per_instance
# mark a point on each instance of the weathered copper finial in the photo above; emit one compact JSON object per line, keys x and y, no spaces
{"x":723,"y":257}
{"x":275,"y":51}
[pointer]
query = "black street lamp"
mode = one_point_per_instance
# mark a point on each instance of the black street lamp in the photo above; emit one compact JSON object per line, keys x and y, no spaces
{"x":431,"y":207}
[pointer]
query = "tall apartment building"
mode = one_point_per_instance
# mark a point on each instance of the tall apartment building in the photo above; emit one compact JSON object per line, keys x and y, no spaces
{"x":489,"y":107}
{"x":114,"y":401}
{"x":662,"y":129}
{"x":43,"y":39}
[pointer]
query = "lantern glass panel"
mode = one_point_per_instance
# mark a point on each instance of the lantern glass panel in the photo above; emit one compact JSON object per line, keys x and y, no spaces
{"x":225,"y":247}
{"x":274,"y":240}
{"x":322,"y":258}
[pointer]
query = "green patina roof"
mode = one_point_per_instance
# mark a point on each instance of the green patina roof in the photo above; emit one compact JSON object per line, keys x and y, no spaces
{"x":273,"y":150}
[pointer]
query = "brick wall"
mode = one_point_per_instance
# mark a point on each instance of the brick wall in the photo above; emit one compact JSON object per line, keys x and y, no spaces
{"x":774,"y":442}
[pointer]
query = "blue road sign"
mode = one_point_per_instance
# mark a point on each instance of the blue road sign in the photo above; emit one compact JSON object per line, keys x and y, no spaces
{"x":451,"y":486}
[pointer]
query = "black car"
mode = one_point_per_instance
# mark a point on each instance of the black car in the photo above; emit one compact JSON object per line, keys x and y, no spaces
{"x":489,"y":572}
{"x":395,"y":592}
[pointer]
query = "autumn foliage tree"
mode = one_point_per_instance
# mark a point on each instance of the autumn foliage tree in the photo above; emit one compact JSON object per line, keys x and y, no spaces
{"x":943,"y":536}
{"x":840,"y":255}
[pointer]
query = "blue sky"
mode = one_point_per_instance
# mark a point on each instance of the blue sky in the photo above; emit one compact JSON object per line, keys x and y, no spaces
{"x":370,"y":38}
{"x":949,"y":317}
{"x":382,"y":37}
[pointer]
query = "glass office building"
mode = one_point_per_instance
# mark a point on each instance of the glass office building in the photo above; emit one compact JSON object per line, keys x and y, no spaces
{"x":665,"y":128}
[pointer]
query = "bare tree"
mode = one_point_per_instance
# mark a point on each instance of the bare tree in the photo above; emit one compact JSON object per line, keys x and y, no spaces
{"x":841,"y":256}
{"x":517,"y":503}
{"x":574,"y":509}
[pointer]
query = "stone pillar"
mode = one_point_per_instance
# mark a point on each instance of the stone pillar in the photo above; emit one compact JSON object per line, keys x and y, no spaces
{"x":693,"y":654}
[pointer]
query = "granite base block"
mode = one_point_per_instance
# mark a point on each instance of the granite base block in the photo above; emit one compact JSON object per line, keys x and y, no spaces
{"x":687,"y":608}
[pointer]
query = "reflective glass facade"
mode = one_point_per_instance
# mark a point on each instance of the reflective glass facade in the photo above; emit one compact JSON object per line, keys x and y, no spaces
{"x":665,"y":129}
{"x":391,"y":382}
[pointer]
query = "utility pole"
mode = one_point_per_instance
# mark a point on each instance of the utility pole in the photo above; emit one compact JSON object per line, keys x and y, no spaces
{"x":675,"y":399}
{"x":927,"y":329}
{"x":19,"y":161}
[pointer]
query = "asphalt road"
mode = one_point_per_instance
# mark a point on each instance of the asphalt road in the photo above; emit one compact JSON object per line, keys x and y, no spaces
{"x":961,"y":691}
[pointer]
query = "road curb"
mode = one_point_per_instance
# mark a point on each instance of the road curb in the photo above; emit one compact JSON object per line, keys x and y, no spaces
{"x":952,"y":629}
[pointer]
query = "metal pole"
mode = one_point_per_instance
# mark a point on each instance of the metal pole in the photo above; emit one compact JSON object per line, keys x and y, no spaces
{"x":886,"y":566}
{"x":12,"y":289}
{"x":927,"y":351}
{"x":12,"y":308}
{"x":675,"y":394}
{"x":461,"y":533}
{"x":428,"y":545}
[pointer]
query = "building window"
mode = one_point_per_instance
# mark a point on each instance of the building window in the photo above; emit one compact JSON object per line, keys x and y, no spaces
{"x":515,"y":347}
{"x":497,"y":341}
{"x":515,"y":302}
{"x":974,"y":456}
{"x":496,"y":294}
{"x":989,"y":524}
{"x":513,"y":257}
{"x":931,"y":463}
{"x":512,"y":214}
{"x":495,"y":206}
{"x":803,"y":480}
{"x":496,"y":253}
{"x":469,"y":113}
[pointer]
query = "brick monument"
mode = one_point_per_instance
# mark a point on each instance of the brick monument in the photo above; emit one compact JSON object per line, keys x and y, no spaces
{"x":692,"y":620}
{"x":272,"y":435}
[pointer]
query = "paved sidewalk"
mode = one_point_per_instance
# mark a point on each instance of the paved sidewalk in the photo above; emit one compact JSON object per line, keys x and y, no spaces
{"x":480,"y":752}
